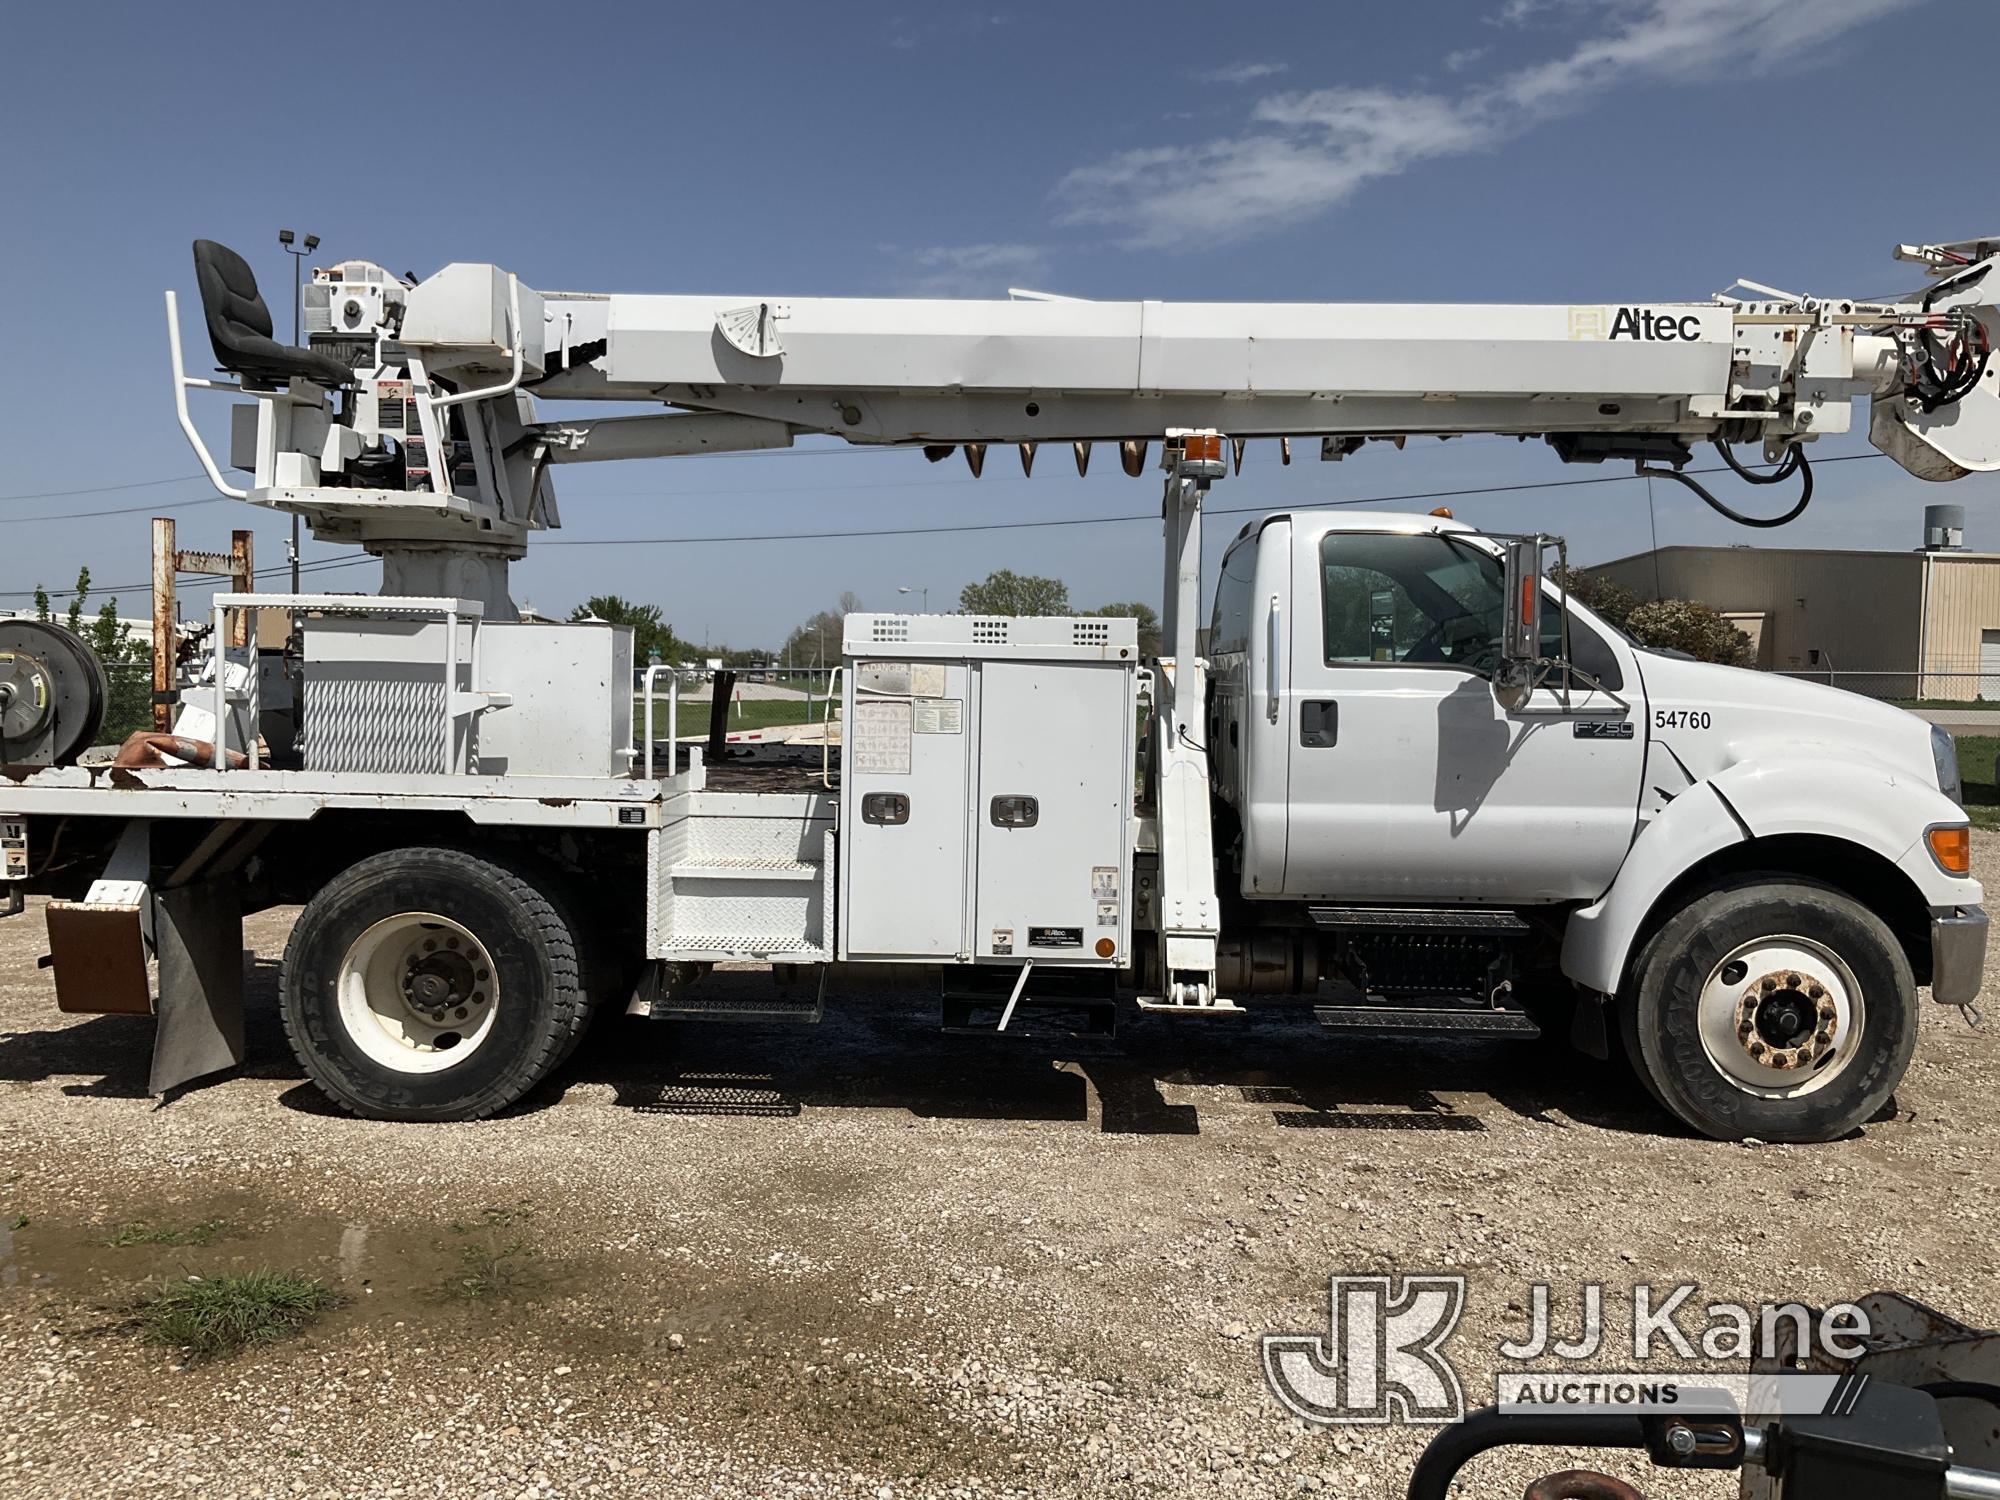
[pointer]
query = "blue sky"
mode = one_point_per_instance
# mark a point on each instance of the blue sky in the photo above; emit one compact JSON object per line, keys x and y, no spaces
{"x":1501,"y":150}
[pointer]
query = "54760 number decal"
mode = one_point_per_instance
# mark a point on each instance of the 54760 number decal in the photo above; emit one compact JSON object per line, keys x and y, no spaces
{"x":1680,"y":718}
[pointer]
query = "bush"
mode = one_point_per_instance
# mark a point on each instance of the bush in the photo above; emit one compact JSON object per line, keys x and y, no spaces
{"x":1683,"y":625}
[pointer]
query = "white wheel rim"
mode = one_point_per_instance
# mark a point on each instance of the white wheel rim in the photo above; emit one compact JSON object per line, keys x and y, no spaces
{"x":417,"y":993}
{"x":1781,"y":1017}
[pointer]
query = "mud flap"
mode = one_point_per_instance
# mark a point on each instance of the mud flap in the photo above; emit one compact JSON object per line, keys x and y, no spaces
{"x":1589,"y":1031}
{"x":198,"y":932}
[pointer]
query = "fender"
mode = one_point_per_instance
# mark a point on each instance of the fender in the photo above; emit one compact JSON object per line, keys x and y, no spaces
{"x":1875,"y":807}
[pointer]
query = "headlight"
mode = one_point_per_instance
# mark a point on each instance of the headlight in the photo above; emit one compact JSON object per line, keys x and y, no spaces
{"x":1944,"y":754}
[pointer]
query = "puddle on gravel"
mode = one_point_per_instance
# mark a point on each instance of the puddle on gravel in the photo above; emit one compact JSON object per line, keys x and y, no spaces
{"x":634,"y":1331}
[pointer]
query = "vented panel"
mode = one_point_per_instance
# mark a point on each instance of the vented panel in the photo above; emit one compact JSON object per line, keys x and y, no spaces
{"x":352,"y":723}
{"x":989,"y":632}
{"x":892,"y":630}
{"x":1091,"y":633}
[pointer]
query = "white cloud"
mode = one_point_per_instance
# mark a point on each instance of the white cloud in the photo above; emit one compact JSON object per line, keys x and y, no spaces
{"x":972,"y":270}
{"x":1241,"y":72}
{"x":1463,"y":58}
{"x":1302,"y":153}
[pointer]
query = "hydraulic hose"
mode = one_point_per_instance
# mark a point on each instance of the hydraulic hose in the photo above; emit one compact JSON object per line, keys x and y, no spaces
{"x":1795,"y":463}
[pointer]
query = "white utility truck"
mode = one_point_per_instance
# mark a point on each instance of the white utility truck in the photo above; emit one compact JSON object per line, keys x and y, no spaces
{"x":1401,"y":778}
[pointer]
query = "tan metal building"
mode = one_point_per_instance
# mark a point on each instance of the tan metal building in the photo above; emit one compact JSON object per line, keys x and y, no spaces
{"x":1923,"y":624}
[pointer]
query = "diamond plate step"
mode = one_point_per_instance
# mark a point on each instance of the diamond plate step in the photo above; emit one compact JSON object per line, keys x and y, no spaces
{"x":749,"y":947}
{"x":747,"y":869}
{"x":1412,"y":1019}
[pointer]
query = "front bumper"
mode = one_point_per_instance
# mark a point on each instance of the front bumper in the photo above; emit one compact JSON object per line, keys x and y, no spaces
{"x":1958,"y":953}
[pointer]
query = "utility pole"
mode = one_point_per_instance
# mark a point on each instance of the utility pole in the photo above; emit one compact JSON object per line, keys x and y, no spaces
{"x":923,"y":593}
{"x":298,"y":258}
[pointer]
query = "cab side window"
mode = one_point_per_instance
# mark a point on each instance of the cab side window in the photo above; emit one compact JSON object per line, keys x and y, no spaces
{"x":1414,"y":599}
{"x":1423,"y":600}
{"x":1229,"y":626}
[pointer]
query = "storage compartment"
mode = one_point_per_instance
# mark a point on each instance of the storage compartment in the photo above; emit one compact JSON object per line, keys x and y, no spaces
{"x":986,"y":794}
{"x":571,"y":686}
{"x":375,"y":697}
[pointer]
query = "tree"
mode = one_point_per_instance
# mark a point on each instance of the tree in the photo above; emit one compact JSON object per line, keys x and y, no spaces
{"x":127,"y":659}
{"x":1684,"y":625}
{"x":817,"y":642}
{"x":1010,"y":593}
{"x":1611,"y":602}
{"x":651,"y":634}
{"x":1134,"y":609}
{"x":1676,"y":624}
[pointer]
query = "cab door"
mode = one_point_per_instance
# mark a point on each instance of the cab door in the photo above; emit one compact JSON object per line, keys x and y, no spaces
{"x":1408,"y":782}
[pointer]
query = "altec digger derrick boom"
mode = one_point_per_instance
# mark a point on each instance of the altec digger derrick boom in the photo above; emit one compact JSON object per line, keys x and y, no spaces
{"x":410,"y":424}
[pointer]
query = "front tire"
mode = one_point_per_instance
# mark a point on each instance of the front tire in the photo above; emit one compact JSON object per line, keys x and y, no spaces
{"x":1772,"y":1009}
{"x":431,"y":984}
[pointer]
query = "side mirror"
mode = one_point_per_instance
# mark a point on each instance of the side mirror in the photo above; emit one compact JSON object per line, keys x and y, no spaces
{"x":1522,"y":663}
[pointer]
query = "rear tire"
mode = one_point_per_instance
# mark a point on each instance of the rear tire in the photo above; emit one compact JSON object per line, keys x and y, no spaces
{"x":1771,"y":1009}
{"x":432,"y":984}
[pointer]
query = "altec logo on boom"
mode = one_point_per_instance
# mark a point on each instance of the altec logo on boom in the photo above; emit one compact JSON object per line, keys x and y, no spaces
{"x":1644,"y":323}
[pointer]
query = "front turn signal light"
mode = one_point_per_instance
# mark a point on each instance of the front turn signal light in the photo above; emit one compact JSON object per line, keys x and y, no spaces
{"x":1951,"y":847}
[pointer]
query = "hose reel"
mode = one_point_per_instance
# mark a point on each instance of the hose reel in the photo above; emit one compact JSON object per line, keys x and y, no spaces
{"x":53,"y":692}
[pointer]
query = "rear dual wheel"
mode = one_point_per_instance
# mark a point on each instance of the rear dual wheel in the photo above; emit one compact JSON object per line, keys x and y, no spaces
{"x":1772,"y":1008}
{"x":433,"y":984}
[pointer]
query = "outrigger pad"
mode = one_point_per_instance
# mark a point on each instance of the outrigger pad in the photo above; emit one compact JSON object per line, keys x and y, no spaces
{"x":239,"y":325}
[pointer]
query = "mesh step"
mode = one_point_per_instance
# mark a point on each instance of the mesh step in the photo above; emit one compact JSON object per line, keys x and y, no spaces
{"x":1057,"y":1002}
{"x":740,"y":997}
{"x":1419,"y":918}
{"x":960,"y":1016}
{"x":1401,"y":1018}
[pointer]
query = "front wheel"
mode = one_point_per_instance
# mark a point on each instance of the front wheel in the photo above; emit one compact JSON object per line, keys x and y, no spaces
{"x":1773,"y":1009}
{"x":431,"y":984}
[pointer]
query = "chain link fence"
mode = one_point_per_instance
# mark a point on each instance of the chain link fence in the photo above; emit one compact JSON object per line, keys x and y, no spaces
{"x":1947,"y":683}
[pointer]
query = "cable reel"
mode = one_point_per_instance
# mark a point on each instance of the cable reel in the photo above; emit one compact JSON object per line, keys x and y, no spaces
{"x":53,"y":694}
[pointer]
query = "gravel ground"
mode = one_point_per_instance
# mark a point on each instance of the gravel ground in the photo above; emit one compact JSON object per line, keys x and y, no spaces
{"x":865,"y":1259}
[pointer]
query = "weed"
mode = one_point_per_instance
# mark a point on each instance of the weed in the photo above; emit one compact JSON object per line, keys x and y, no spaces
{"x":204,"y":1233}
{"x":493,"y":1261}
{"x":225,"y":1314}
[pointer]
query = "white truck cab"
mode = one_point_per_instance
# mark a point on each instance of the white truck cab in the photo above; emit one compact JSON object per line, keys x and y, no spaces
{"x":1747,"y":874}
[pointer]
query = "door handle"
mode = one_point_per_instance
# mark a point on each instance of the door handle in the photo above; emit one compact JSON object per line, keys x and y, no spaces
{"x":1274,"y":634}
{"x":888,"y":808}
{"x":1319,"y":723}
{"x":1015,"y":812}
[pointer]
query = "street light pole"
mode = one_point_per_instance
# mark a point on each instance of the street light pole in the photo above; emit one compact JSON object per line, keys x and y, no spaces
{"x":298,"y":256}
{"x":922,"y":593}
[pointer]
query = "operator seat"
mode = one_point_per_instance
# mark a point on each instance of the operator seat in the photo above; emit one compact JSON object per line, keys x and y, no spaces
{"x":239,"y":326}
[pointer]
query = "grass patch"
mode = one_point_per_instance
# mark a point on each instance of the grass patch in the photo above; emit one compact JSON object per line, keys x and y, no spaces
{"x":494,"y":1260}
{"x":226,"y":1314}
{"x":751,"y":713}
{"x":204,"y":1233}
{"x":1976,"y":756}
